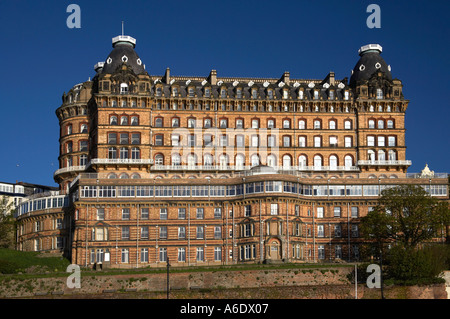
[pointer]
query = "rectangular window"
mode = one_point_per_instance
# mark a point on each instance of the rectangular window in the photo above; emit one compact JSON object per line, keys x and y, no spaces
{"x":200,"y":232}
{"x":182,"y":254}
{"x":381,"y":141}
{"x":319,"y":212}
{"x":273,"y":209}
{"x":320,"y":231}
{"x":163,"y":254}
{"x":317,"y":141}
{"x":123,"y":138}
{"x":100,"y":214}
{"x":200,"y":254}
{"x":391,"y":141}
{"x":163,"y":232}
{"x":144,"y":255}
{"x":354,"y":212}
{"x":337,"y":212}
{"x":217,"y":232}
{"x":248,"y":210}
{"x":125,"y":213}
{"x":217,"y":213}
{"x":217,"y":253}
{"x":124,"y":255}
{"x":144,"y":232}
{"x":125,"y":232}
{"x":370,"y":140}
{"x":163,"y":213}
{"x":181,"y":213}
{"x":348,"y":141}
{"x":286,"y":141}
{"x":200,"y":213}
{"x":181,"y":232}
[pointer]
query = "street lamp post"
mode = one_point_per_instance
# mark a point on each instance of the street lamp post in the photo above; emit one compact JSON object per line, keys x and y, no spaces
{"x":168,"y":287}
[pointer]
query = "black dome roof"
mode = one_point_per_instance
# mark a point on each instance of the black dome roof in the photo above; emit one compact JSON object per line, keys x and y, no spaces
{"x":369,"y":63}
{"x":123,"y":52}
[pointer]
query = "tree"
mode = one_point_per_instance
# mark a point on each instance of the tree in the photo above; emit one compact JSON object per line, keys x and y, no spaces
{"x":406,"y":215}
{"x":7,"y":224}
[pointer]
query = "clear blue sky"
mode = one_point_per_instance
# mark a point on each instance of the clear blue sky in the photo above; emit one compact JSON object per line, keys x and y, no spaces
{"x":41,"y":58}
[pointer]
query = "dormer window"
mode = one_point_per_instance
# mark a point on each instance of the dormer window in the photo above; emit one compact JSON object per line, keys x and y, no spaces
{"x":346,"y":95}
{"x":207,"y":92}
{"x":175,"y":92}
{"x":270,"y":94}
{"x":158,"y":91}
{"x":223,"y":93}
{"x":300,"y":95}
{"x":331,"y":95}
{"x":239,"y":93}
{"x":285,"y":94}
{"x":316,"y":95}
{"x":254,"y":93}
{"x":123,"y":88}
{"x":191,"y":92}
{"x":379,"y":94}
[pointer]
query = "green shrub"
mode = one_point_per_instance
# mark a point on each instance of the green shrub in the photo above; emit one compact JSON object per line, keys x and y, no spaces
{"x":417,"y":266}
{"x":8,"y":267}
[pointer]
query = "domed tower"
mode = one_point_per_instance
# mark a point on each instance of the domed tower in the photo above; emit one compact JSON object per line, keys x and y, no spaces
{"x":119,"y":112}
{"x":381,"y":108}
{"x":74,"y":134}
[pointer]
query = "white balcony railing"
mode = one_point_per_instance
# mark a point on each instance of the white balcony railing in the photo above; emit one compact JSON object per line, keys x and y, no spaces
{"x":70,"y":169}
{"x":387,"y":162}
{"x":145,"y":161}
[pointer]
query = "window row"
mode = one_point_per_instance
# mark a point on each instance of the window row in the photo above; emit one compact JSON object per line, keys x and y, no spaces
{"x":380,"y":140}
{"x":82,"y":146}
{"x":239,"y":140}
{"x":252,"y":93}
{"x":254,"y":123}
{"x":158,"y":231}
{"x":144,"y":212}
{"x":271,"y":160}
{"x":82,"y":160}
{"x":380,"y":124}
{"x":124,"y":138}
{"x":101,"y":255}
{"x":248,"y":107}
{"x":123,"y":120}
{"x":83,"y":128}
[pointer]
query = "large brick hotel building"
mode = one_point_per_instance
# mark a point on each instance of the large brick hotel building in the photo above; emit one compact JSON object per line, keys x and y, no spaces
{"x":219,"y":170}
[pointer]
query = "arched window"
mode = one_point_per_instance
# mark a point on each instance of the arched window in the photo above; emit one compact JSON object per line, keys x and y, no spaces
{"x":223,"y":161}
{"x":176,"y":159}
{"x":371,"y":124}
{"x":287,"y":162}
{"x":123,"y":88}
{"x":135,"y":176}
{"x":83,"y":128}
{"x":332,"y":125}
{"x":380,"y":124}
{"x":347,"y":124}
{"x":207,"y":160}
{"x":381,"y":155}
{"x":333,"y":162}
{"x":159,"y":159}
{"x":83,"y":160}
{"x":302,"y":161}
{"x":348,"y":161}
{"x":124,"y":120}
{"x":255,"y":160}
{"x":134,"y":120}
{"x":371,"y":156}
{"x":113,"y":120}
{"x":124,"y":176}
{"x":317,"y":162}
{"x":191,"y":160}
{"x":392,"y":155}
{"x":240,"y":161}
{"x":271,"y":160}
